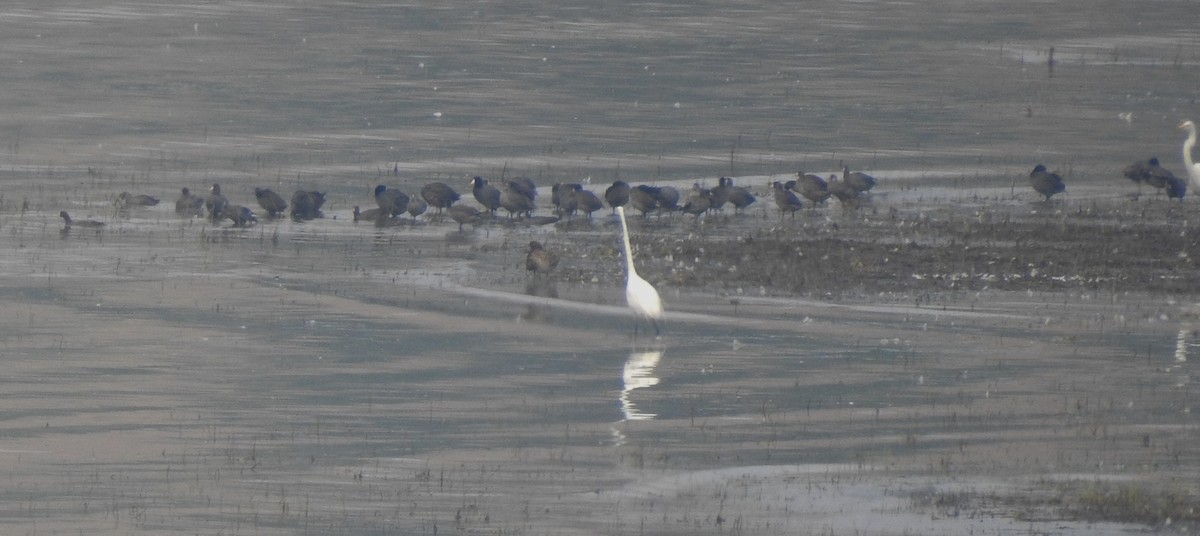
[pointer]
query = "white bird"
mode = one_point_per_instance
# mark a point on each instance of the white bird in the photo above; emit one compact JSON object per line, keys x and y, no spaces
{"x":1193,"y":169}
{"x":639,"y":293}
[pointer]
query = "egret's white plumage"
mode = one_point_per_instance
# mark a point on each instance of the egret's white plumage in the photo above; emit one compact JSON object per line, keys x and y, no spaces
{"x":639,"y":293}
{"x":1193,"y":169}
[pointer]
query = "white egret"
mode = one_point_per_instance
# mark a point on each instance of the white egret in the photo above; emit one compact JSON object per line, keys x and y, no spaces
{"x":1193,"y":169}
{"x":639,"y":293}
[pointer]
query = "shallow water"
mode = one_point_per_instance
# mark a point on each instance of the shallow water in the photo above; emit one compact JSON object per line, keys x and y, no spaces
{"x":167,"y":375}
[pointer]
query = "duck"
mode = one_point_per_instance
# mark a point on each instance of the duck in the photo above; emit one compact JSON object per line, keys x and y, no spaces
{"x":785,"y":200}
{"x":486,"y":194}
{"x":739,"y":197}
{"x":393,"y":202}
{"x":811,"y":187}
{"x":126,"y":200}
{"x":1046,"y":182}
{"x":215,"y":203}
{"x":241,"y":216}
{"x":644,"y":198}
{"x":189,"y":204}
{"x":439,"y":195}
{"x":514,"y":200}
{"x":587,"y":201}
{"x":699,"y":201}
{"x":539,"y":260}
{"x":367,"y":215}
{"x":562,"y":196}
{"x":860,"y":182}
{"x":617,"y":195}
{"x":306,"y":204}
{"x":465,"y":214}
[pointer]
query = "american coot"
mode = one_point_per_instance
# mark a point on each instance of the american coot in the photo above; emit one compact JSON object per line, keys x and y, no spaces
{"x":189,"y":204}
{"x":1045,"y":182}
{"x":371,"y":215}
{"x":719,"y":194}
{"x":126,"y":200}
{"x":617,"y":195}
{"x":439,"y":195}
{"x":699,"y":201}
{"x":539,"y":260}
{"x":643,"y":198}
{"x":562,"y":196}
{"x":587,"y":202}
{"x":486,"y":194}
{"x":1193,"y":169}
{"x":668,"y":198}
{"x":525,"y":186}
{"x":639,"y":294}
{"x":844,"y":193}
{"x":860,"y":182}
{"x":306,"y":204}
{"x":270,"y":201}
{"x":241,"y":216}
{"x":812,"y":187}
{"x":393,"y":202}
{"x":80,"y":223}
{"x":514,"y":200}
{"x":215,"y":203}
{"x":785,"y":200}
{"x":416,"y":207}
{"x":1149,"y":172}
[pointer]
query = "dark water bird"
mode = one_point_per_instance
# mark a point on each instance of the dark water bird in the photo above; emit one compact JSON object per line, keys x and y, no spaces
{"x":367,"y":215}
{"x":719,"y":194}
{"x":439,"y":195}
{"x":562,"y":196}
{"x":79,"y":223}
{"x":1045,"y":182}
{"x":668,"y":198}
{"x":844,"y":193}
{"x":465,"y":214}
{"x":126,"y":200}
{"x":587,"y":201}
{"x":1176,"y":188}
{"x":416,"y":206}
{"x":739,"y":197}
{"x":640,"y":295}
{"x":617,"y":195}
{"x":785,"y":200}
{"x":270,"y":201}
{"x":644,"y":198}
{"x":812,"y":187}
{"x":215,"y":203}
{"x":306,"y":204}
{"x":860,"y":182}
{"x":1149,"y":172}
{"x":241,"y":216}
{"x":515,"y":201}
{"x":486,"y":194}
{"x":393,"y":202}
{"x":189,"y":204}
{"x":524,"y":185}
{"x":1193,"y":169}
{"x":698,"y":202}
{"x":539,"y":260}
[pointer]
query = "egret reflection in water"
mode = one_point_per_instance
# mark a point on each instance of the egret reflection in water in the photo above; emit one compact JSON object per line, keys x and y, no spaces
{"x":639,"y":373}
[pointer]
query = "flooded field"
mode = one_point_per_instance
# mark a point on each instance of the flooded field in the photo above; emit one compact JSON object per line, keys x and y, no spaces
{"x":954,"y":356}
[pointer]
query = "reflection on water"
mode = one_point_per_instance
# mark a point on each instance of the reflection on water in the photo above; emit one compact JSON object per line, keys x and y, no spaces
{"x":1185,"y":338}
{"x":540,"y":287}
{"x":639,"y":373}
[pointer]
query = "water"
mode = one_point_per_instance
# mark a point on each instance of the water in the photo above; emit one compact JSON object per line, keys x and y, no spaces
{"x":167,"y":375}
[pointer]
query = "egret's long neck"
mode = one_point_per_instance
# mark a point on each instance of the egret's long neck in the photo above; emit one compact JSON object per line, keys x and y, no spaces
{"x":1187,"y":147}
{"x":629,"y":270}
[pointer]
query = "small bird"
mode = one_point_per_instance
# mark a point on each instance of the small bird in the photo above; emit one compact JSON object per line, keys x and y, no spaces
{"x":270,"y":201}
{"x":189,"y":204}
{"x":617,"y":195}
{"x":439,"y":195}
{"x":81,"y":223}
{"x":1045,"y":182}
{"x":640,"y":295}
{"x":465,"y":214}
{"x":539,"y":260}
{"x":785,"y":200}
{"x":126,"y":200}
{"x":486,"y":194}
{"x":306,"y":204}
{"x":215,"y":203}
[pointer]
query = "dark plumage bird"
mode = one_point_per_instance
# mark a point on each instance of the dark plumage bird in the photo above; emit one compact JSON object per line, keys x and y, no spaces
{"x":270,"y":201}
{"x":644,"y":198}
{"x":81,"y":223}
{"x":785,"y":200}
{"x":241,"y":216}
{"x":719,"y":194}
{"x":699,"y":201}
{"x":1150,"y":172}
{"x":525,"y":186}
{"x":842,"y":190}
{"x":465,"y":214}
{"x":372,"y":214}
{"x":668,"y":198}
{"x":126,"y":200}
{"x":486,"y":194}
{"x":1045,"y":182}
{"x":812,"y":187}
{"x":393,"y":202}
{"x":617,"y":195}
{"x":306,"y":204}
{"x":189,"y":204}
{"x":739,"y":197}
{"x":1176,"y":188}
{"x":587,"y":202}
{"x":416,"y":206}
{"x":539,"y":260}
{"x":860,"y":182}
{"x":215,"y":203}
{"x":514,"y":200}
{"x":439,"y":195}
{"x":562,"y":196}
